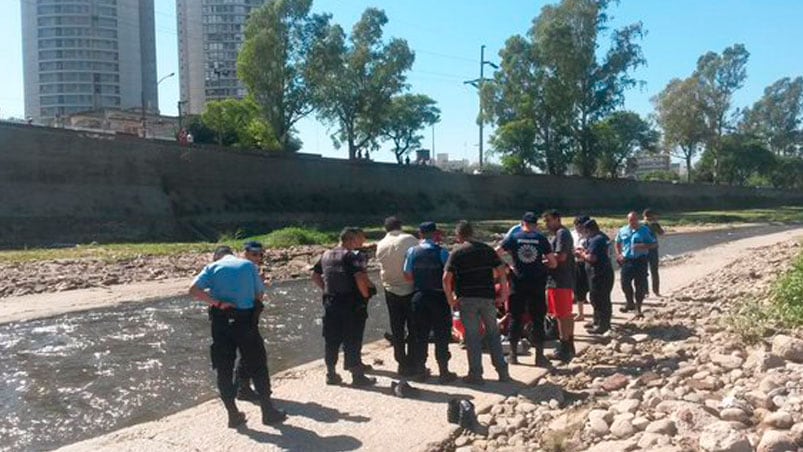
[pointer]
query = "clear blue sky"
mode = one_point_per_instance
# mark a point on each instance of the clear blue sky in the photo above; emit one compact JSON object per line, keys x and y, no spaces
{"x":446,"y":36}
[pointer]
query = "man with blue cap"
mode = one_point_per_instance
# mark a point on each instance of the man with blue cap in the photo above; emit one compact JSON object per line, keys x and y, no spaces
{"x":431,"y":313}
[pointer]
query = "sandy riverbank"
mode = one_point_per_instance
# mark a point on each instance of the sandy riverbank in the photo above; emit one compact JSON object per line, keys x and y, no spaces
{"x":330,"y":418}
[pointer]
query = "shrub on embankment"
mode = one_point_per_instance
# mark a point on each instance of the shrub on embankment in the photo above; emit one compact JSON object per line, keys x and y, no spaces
{"x":781,"y":309}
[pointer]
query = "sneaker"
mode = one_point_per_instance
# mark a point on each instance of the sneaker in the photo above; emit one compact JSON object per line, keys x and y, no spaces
{"x":334,"y":379}
{"x":236,"y":419}
{"x":599,"y":329}
{"x":420,"y":376}
{"x":627,"y":308}
{"x":247,"y":394}
{"x":271,"y":415}
{"x":541,"y":361}
{"x":558,"y":352}
{"x":447,"y":377}
{"x":473,"y":380}
{"x":360,"y":380}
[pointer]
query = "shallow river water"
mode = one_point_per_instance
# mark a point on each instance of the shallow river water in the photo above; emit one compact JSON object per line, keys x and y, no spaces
{"x":78,"y":375}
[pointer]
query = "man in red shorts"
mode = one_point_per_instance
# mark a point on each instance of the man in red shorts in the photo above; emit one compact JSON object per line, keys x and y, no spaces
{"x":560,"y":285}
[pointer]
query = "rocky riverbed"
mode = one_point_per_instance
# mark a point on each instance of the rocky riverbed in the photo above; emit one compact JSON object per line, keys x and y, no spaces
{"x":678,"y":380}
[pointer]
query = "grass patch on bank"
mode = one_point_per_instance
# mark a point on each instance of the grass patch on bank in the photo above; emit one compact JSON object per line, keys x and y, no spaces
{"x":755,"y":319}
{"x":295,"y":236}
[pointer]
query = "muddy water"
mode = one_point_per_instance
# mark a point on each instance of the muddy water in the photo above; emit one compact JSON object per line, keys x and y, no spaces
{"x":75,"y":376}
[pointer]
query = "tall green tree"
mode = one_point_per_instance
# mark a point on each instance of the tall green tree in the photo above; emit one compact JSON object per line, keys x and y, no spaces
{"x":274,"y":60}
{"x":407,"y":115}
{"x":237,"y":122}
{"x":620,"y":137}
{"x":355,"y":79}
{"x":554,"y":81}
{"x":719,"y":76}
{"x":567,"y":38}
{"x":679,"y":114}
{"x":740,"y":158}
{"x":777,"y":117}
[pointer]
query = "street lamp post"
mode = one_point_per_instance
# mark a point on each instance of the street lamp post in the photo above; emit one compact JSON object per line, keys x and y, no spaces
{"x":478,"y":84}
{"x":142,"y":93}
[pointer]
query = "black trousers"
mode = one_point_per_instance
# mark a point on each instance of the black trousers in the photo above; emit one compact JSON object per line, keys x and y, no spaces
{"x":530,"y":298}
{"x":600,"y":285}
{"x":233,"y":331}
{"x":655,"y":279}
{"x":241,"y":374}
{"x":634,"y":273}
{"x":580,"y":283}
{"x":342,"y":320}
{"x":431,"y":312}
{"x":400,"y":312}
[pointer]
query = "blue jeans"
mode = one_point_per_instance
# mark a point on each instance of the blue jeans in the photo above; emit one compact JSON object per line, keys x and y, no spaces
{"x":472,"y":312}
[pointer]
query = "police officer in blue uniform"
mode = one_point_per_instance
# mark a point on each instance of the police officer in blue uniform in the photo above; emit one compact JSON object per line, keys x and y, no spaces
{"x":633,"y":244}
{"x":342,"y":276}
{"x":424,"y":266}
{"x":232,"y":287}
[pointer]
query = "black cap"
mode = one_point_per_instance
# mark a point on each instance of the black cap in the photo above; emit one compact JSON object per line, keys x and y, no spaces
{"x":427,"y":226}
{"x":530,"y":217}
{"x":253,"y":247}
{"x":590,"y":224}
{"x":581,"y":219}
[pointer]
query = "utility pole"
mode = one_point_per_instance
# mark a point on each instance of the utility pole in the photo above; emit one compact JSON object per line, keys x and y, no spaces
{"x":478,"y":84}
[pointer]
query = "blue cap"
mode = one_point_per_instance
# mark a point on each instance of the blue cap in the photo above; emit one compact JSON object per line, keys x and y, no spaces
{"x":428,"y":226}
{"x":253,"y":247}
{"x":530,"y":217}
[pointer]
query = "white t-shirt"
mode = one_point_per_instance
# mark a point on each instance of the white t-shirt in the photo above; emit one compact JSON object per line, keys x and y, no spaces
{"x":390,"y":253}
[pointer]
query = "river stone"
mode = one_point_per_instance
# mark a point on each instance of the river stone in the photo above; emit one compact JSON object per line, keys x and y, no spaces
{"x":769,"y":383}
{"x":460,"y":441}
{"x":615,"y":382}
{"x":721,"y":436}
{"x":598,"y":426}
{"x":780,"y":420}
{"x":650,"y":440}
{"x":641,"y":337}
{"x":464,"y":449}
{"x":526,"y":407}
{"x":734,"y":415}
{"x":495,"y":431}
{"x":775,"y":441}
{"x":688,"y":417}
{"x":610,"y":446}
{"x":662,"y":426}
{"x":729,"y":362}
{"x":788,"y":347}
{"x":797,"y":433}
{"x":605,"y":415}
{"x":759,"y":399}
{"x":627,"y":406}
{"x":763,"y":361}
{"x":623,"y":428}
{"x":641,"y":423}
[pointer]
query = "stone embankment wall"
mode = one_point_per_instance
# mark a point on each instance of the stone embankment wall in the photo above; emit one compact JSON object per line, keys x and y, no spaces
{"x":60,"y":186}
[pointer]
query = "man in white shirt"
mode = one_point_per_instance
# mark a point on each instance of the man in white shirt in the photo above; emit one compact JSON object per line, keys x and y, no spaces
{"x":390,"y":253}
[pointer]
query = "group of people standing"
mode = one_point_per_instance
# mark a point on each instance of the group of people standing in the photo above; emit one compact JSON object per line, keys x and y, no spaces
{"x":424,"y":284}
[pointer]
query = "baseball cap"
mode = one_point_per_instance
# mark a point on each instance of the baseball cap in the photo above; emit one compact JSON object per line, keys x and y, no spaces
{"x":253,"y":247}
{"x":530,"y":217}
{"x":591,"y":223}
{"x":428,"y":226}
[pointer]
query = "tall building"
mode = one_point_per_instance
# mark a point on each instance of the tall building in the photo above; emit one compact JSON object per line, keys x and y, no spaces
{"x":210,"y":34}
{"x":82,"y":55}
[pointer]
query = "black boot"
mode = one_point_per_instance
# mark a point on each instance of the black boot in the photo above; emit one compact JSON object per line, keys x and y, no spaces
{"x":358,"y":378}
{"x":558,"y":352}
{"x":245,"y":393}
{"x":513,"y":358}
{"x":540,"y":359}
{"x":444,"y":375}
{"x":566,"y":352}
{"x":271,"y":415}
{"x":236,"y":417}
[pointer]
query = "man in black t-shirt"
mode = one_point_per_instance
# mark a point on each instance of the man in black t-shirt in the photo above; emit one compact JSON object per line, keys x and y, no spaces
{"x":469,"y":283}
{"x":560,"y":285}
{"x":532,"y":259}
{"x":342,"y":276}
{"x":600,"y":275}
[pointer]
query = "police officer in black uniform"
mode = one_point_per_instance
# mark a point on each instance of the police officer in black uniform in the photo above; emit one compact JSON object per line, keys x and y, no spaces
{"x":252,"y":251}
{"x":424,"y":266}
{"x":231,"y":286}
{"x":341,"y":274}
{"x":600,"y":275}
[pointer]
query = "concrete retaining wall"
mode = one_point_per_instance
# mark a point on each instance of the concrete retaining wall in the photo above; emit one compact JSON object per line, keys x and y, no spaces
{"x":66,"y":186}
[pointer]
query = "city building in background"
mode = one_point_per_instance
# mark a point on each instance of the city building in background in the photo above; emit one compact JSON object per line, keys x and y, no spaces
{"x":210,"y":34}
{"x":124,"y":122}
{"x":442,"y":161}
{"x":645,"y":164}
{"x":82,"y":55}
